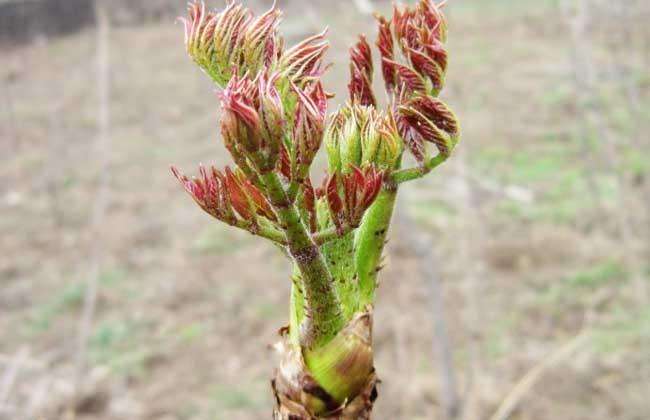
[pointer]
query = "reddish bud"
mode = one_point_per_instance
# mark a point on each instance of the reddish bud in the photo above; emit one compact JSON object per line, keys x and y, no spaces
{"x":361,"y":73}
{"x":413,"y":24}
{"x":407,"y":78}
{"x":402,"y":23}
{"x":410,"y":136}
{"x":309,"y":204}
{"x":437,"y":52}
{"x":359,"y":188}
{"x":209,"y":191}
{"x":214,"y":40}
{"x":240,"y":124}
{"x":335,"y":203}
{"x":284,"y":163}
{"x":309,"y":123}
{"x":386,"y":50}
{"x":198,"y":25}
{"x":420,"y":32}
{"x":247,"y":199}
{"x":241,"y":97}
{"x":260,"y":41}
{"x":238,"y":197}
{"x":433,"y":18}
{"x":253,"y":122}
{"x":438,"y":113}
{"x":428,"y":119}
{"x":427,"y":67}
{"x":230,"y":29}
{"x":304,"y":61}
{"x":361,"y":56}
{"x":272,"y":119}
{"x":228,"y":196}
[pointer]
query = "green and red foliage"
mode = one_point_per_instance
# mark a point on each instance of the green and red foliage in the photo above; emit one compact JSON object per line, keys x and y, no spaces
{"x":274,"y":121}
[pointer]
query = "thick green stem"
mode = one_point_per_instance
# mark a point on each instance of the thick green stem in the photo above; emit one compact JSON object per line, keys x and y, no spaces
{"x":323,"y":310}
{"x":296,"y":307}
{"x":370,"y":240}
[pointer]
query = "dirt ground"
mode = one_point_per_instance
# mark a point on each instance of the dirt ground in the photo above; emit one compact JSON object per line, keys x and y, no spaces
{"x":536,"y":234}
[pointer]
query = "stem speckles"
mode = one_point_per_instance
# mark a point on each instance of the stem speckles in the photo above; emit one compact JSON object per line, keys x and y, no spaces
{"x":274,"y":122}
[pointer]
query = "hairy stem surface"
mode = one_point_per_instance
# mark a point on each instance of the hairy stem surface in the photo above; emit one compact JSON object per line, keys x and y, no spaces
{"x":322,"y":308}
{"x":370,"y":240}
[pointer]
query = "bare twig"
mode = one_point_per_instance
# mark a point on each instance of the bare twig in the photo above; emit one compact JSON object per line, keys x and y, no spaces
{"x":529,"y":380}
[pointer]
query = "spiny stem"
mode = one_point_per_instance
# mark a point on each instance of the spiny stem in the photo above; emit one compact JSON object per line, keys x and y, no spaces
{"x":323,"y":309}
{"x":297,"y":308}
{"x":370,"y":240}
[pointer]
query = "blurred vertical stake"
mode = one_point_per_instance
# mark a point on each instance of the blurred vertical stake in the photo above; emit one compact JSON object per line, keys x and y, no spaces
{"x":628,"y":218}
{"x":101,"y":199}
{"x":575,"y":15}
{"x":470,"y":239}
{"x":595,"y":110}
{"x":10,"y":118}
{"x":442,"y":347}
{"x":53,"y":167}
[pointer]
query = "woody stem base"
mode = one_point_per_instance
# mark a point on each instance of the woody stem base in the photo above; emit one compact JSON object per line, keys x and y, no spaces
{"x":337,"y":381}
{"x":360,"y":408}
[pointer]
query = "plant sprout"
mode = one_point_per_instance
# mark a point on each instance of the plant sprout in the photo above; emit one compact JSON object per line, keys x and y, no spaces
{"x":274,"y":121}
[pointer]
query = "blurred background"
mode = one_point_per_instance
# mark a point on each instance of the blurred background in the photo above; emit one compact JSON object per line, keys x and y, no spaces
{"x":517,"y":279}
